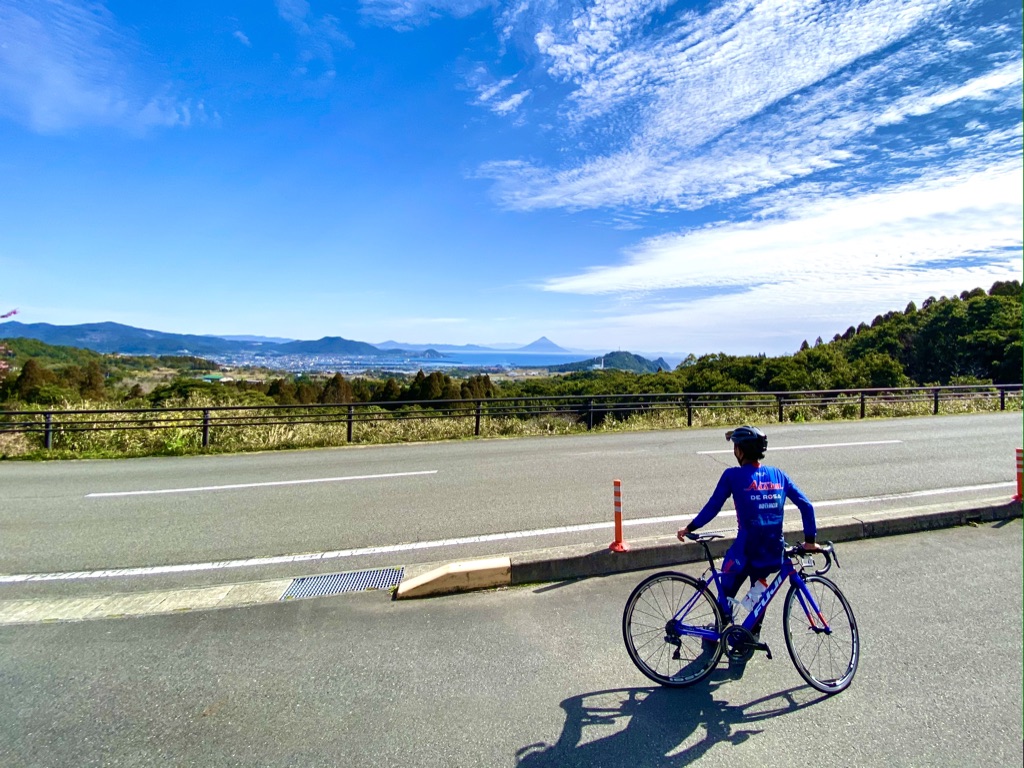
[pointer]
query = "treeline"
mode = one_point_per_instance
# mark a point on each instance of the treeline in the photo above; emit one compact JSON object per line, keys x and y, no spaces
{"x":971,"y":338}
{"x":37,"y":384}
{"x":44,"y":374}
{"x":306,"y":390}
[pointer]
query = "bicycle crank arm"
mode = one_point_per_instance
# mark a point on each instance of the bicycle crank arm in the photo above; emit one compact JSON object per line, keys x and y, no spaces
{"x":763,"y":647}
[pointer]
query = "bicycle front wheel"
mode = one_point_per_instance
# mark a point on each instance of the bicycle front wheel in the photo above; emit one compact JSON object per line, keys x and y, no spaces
{"x":663,"y":654}
{"x":827,"y":661}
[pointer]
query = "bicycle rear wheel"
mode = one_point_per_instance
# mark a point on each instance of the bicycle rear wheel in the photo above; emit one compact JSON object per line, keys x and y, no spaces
{"x":664,"y":655}
{"x":827,"y":661}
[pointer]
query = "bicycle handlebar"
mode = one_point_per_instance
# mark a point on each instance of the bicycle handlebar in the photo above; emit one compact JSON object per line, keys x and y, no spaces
{"x":827,"y":549}
{"x":704,"y":536}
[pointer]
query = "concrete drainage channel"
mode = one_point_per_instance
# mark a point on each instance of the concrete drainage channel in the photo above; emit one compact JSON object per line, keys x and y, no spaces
{"x":560,"y":564}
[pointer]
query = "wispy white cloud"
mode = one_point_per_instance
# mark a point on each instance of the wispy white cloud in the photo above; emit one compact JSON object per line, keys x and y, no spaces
{"x":319,"y":38}
{"x":839,"y":237}
{"x":850,"y":155}
{"x":492,"y":93}
{"x":836,"y":260}
{"x":241,"y":37}
{"x":65,"y":65}
{"x":406,"y":14}
{"x":733,"y":103}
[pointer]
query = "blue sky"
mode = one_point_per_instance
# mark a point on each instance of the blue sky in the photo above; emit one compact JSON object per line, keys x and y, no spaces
{"x":635,"y":174}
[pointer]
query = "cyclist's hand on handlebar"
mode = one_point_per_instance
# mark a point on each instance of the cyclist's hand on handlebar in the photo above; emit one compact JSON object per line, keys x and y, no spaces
{"x":684,"y":533}
{"x":810,"y":546}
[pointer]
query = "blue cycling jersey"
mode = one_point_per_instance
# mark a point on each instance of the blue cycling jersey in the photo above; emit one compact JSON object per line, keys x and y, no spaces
{"x":759,"y":493}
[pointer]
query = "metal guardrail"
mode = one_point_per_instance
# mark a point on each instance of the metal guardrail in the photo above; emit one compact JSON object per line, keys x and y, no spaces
{"x":591,"y":410}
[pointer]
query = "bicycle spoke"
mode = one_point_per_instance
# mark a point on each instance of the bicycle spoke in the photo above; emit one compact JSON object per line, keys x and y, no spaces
{"x":657,"y":651}
{"x":826,"y":660}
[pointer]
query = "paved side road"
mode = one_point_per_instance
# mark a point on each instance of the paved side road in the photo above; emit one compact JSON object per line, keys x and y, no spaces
{"x":533,"y":677}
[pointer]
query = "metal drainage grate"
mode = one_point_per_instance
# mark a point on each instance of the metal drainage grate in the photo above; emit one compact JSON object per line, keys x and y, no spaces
{"x":337,"y":583}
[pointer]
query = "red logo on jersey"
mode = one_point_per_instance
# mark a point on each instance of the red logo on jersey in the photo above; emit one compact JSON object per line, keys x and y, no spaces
{"x":764,"y":486}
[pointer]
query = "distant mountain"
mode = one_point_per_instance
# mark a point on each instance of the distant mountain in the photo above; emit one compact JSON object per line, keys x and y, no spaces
{"x":543,"y":345}
{"x":335,"y":345}
{"x":620,"y":361}
{"x":328,"y":345}
{"x":389,"y":345}
{"x":114,"y":337}
{"x":127,"y":340}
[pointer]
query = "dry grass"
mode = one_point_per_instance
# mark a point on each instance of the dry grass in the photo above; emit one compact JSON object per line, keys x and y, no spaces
{"x":379,"y":426}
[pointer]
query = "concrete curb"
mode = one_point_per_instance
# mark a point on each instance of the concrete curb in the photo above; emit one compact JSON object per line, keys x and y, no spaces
{"x":539,"y":566}
{"x":577,"y":562}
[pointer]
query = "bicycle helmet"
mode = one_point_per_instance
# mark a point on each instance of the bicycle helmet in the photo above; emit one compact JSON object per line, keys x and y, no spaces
{"x":751,"y":440}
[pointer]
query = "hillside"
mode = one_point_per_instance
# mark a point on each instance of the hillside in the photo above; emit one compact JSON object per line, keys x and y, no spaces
{"x":122,"y":339}
{"x":620,"y":361}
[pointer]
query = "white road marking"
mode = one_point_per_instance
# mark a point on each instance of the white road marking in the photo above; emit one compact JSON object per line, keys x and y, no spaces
{"x":480,"y":539}
{"x":257,"y":485}
{"x":807,"y":447}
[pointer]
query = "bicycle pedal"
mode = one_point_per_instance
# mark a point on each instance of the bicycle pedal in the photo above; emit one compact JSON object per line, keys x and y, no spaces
{"x":763,"y":647}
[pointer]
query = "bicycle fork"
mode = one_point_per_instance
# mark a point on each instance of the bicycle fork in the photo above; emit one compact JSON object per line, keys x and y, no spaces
{"x":812,"y":611}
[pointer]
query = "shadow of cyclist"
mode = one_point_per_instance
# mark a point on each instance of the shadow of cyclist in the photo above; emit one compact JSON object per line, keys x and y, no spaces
{"x":654,"y":727}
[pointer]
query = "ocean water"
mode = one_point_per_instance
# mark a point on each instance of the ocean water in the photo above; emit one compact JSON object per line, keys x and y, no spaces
{"x":491,"y":360}
{"x":504,"y":359}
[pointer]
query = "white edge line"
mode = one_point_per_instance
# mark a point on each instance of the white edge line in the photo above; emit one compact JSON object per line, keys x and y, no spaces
{"x":480,"y":539}
{"x":258,"y":485}
{"x":807,"y":447}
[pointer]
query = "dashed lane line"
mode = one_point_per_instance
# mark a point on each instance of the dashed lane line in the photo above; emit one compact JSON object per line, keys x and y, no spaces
{"x":269,"y":484}
{"x":808,"y":447}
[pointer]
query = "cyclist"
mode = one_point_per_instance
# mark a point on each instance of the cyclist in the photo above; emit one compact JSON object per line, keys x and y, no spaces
{"x":759,"y":493}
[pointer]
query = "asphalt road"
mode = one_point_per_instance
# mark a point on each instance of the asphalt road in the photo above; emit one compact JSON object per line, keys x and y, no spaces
{"x":534,"y":677}
{"x":83,"y":516}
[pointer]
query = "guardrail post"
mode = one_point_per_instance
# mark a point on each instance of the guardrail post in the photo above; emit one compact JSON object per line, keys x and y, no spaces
{"x":781,"y":414}
{"x":349,"y":418}
{"x":590,"y":414}
{"x":1002,"y":399}
{"x":48,"y":432}
{"x":862,"y":399}
{"x":689,"y":411}
{"x":206,"y":427}
{"x":935,"y":400}
{"x":479,"y":410}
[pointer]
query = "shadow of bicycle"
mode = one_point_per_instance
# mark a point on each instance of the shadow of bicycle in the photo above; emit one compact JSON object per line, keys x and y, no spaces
{"x":655,"y":727}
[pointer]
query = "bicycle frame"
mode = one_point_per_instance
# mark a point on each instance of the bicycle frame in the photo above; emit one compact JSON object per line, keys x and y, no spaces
{"x":787,"y":573}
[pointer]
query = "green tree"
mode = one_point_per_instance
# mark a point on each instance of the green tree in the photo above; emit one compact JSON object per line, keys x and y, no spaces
{"x":1009,"y":288}
{"x":93,"y":385}
{"x":337,"y":390}
{"x":283,"y":391}
{"x":876,"y":369}
{"x":390,"y":391}
{"x":32,"y":377}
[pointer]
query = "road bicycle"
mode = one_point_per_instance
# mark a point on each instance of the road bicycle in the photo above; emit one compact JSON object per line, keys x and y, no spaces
{"x":676,"y":630}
